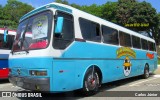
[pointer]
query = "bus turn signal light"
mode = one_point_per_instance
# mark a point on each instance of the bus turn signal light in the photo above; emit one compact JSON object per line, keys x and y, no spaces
{"x":38,"y":73}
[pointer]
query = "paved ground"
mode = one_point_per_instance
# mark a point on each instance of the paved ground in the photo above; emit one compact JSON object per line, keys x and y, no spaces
{"x":158,"y":70}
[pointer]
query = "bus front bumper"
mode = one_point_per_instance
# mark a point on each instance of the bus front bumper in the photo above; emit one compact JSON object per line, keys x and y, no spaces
{"x":30,"y":83}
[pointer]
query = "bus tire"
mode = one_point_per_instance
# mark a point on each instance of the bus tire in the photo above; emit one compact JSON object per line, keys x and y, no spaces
{"x":91,"y":82}
{"x":146,"y":72}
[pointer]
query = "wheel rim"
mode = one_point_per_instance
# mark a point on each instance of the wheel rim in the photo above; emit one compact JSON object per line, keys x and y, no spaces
{"x":91,"y":82}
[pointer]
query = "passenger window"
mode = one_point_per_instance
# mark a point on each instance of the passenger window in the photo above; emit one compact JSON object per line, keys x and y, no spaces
{"x":151,"y":46}
{"x":125,"y":39}
{"x":144,"y":44}
{"x":136,"y":42}
{"x":110,"y":35}
{"x":9,"y":42}
{"x":61,"y":41}
{"x":90,"y":30}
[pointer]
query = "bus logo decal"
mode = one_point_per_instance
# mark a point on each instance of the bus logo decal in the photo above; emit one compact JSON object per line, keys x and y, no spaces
{"x":127,"y":66}
{"x":126,"y":52}
{"x":149,"y":55}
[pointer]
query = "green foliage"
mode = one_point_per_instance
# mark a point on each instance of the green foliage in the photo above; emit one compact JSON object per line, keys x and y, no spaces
{"x":76,"y":6}
{"x":158,"y":28}
{"x":125,"y":11}
{"x":12,"y":12}
{"x":62,"y":1}
{"x":122,"y":12}
{"x":93,"y":9}
{"x":132,"y":11}
{"x":109,"y":11}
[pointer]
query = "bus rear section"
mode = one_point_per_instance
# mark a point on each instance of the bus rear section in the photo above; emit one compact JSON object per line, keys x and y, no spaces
{"x":6,"y":41}
{"x":4,"y":65}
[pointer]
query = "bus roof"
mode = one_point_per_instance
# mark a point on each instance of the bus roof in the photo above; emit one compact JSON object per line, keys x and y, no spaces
{"x":79,"y":13}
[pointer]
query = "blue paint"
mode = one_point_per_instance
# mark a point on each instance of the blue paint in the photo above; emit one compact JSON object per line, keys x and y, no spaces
{"x":4,"y":63}
{"x":4,"y":56}
{"x":4,"y":60}
{"x":77,"y":59}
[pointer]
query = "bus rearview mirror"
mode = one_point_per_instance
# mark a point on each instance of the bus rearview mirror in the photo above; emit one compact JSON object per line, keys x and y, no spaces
{"x":59,"y":25}
{"x":5,"y":35}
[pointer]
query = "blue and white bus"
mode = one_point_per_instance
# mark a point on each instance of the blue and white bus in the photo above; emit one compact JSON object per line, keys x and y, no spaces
{"x":6,"y":41}
{"x":59,"y":48}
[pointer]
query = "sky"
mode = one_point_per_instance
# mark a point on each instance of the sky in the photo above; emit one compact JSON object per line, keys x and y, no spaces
{"x":38,"y":3}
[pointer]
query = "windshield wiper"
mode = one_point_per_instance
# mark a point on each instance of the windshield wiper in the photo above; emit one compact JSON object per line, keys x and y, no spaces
{"x":26,"y":50}
{"x":21,"y":40}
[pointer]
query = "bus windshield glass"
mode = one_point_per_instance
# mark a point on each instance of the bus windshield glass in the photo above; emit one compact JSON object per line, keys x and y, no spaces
{"x":34,"y":32}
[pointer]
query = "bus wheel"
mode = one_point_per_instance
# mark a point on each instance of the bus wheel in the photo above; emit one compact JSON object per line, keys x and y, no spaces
{"x":146,"y":71}
{"x":91,"y":82}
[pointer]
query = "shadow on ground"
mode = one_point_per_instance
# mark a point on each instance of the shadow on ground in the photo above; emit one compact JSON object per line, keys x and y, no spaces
{"x":78,"y":94}
{"x":3,"y":81}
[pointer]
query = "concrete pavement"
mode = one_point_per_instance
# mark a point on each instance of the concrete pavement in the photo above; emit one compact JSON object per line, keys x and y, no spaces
{"x":157,"y":71}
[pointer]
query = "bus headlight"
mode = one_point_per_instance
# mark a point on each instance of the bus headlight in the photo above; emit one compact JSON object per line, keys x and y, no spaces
{"x":38,"y":73}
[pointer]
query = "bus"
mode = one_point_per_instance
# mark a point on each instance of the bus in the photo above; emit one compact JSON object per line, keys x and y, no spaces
{"x":6,"y":42}
{"x":59,"y":48}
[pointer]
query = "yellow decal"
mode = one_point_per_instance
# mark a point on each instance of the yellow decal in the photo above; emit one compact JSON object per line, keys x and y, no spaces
{"x":125,"y":51}
{"x":127,"y":62}
{"x":137,"y":25}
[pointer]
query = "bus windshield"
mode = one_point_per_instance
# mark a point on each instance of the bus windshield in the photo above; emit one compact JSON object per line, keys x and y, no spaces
{"x":34,"y":32}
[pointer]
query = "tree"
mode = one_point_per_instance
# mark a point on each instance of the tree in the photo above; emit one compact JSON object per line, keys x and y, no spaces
{"x":1,"y":12}
{"x":13,"y":11}
{"x":145,"y":13}
{"x":109,"y":11}
{"x":93,"y":9}
{"x":158,"y":29}
{"x":62,"y":1}
{"x":75,"y":6}
{"x":125,"y":11}
{"x":138,"y":16}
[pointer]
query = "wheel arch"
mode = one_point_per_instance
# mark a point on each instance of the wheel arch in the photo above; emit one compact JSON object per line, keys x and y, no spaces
{"x":147,"y":65}
{"x":97,"y":68}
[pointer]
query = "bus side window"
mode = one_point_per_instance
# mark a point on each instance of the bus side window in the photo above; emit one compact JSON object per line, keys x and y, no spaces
{"x":63,"y":40}
{"x":151,"y":46}
{"x":144,"y":44}
{"x":8,"y":45}
{"x":90,"y":30}
{"x":110,"y":35}
{"x":136,"y":42}
{"x":125,"y":39}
